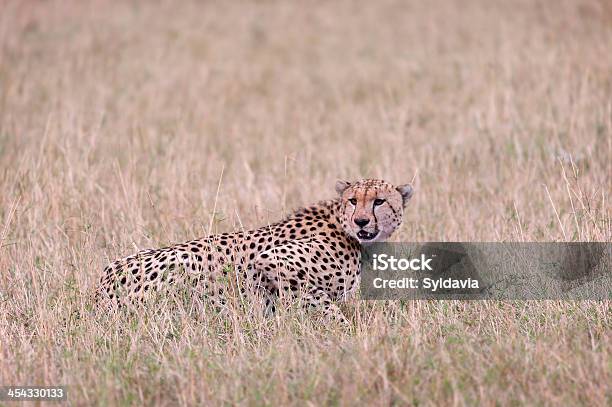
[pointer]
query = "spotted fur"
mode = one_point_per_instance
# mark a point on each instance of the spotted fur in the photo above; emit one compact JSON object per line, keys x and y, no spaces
{"x":314,"y":254}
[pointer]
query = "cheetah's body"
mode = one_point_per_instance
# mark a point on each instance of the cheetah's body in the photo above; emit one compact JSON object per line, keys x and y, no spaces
{"x":312,"y":253}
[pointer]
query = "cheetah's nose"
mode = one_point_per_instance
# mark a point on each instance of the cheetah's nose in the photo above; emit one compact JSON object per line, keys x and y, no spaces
{"x":362,"y":222}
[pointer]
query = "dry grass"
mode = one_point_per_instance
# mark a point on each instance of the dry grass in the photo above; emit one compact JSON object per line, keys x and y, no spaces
{"x":119,"y":120}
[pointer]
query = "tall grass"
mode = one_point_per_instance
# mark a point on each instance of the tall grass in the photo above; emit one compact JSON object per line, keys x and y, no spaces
{"x":135,"y":125}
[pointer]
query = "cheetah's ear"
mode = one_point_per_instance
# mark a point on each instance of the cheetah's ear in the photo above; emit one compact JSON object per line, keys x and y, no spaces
{"x":341,"y":186}
{"x":407,"y":191}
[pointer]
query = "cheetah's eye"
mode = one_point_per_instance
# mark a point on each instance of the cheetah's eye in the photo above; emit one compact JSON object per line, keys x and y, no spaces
{"x":378,"y":202}
{"x":353,"y":201}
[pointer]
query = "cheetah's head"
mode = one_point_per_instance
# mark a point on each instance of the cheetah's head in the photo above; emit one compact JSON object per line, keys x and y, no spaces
{"x":371,"y":210}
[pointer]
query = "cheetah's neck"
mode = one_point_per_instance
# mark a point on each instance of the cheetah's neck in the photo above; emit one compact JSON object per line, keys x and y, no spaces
{"x":328,"y":210}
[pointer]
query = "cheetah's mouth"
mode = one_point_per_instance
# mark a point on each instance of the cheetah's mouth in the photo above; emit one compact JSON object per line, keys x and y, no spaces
{"x":365,"y":236}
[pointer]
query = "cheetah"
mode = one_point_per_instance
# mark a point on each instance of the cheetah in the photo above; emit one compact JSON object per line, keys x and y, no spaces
{"x":313,"y":254}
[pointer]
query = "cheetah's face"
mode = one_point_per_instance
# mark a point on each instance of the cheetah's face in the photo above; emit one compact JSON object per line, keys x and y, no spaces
{"x":371,"y":210}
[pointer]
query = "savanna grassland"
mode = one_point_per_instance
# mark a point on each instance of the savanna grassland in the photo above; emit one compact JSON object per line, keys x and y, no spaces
{"x":129,"y":125}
